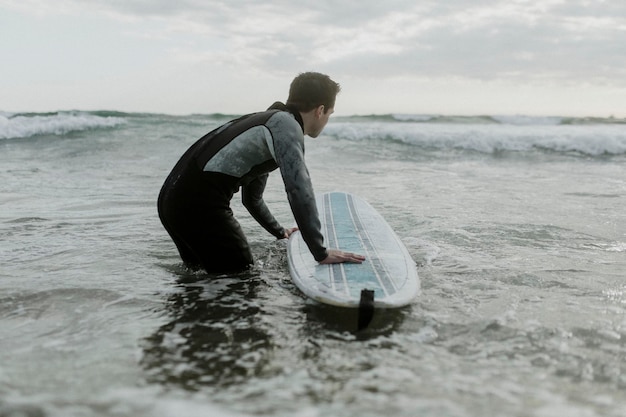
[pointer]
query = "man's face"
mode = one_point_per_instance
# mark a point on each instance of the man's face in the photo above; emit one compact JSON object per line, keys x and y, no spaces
{"x":320,"y":121}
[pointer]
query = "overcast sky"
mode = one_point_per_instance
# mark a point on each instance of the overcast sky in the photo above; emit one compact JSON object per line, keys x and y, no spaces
{"x":543,"y":57}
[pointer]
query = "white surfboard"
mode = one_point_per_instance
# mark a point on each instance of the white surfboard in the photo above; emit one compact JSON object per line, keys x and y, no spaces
{"x":349,"y":223}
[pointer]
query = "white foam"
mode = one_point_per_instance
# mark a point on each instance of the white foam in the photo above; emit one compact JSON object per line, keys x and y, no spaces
{"x":617,"y":247}
{"x":489,"y":138}
{"x":521,"y":120}
{"x":130,"y":401}
{"x":24,"y":126}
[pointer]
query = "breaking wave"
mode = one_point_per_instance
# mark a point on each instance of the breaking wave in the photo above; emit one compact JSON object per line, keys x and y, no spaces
{"x":24,"y":125}
{"x":486,"y":134}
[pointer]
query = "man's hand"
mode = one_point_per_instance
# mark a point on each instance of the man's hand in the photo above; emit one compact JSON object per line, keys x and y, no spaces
{"x":288,"y":232}
{"x":336,"y":256}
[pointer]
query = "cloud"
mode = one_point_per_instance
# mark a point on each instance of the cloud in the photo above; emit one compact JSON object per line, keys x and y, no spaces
{"x":516,"y":40}
{"x":569,"y":41}
{"x":543,"y":43}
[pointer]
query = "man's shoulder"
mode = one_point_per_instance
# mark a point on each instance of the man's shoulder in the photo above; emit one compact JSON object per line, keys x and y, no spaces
{"x":280,"y":116}
{"x":283,"y":121}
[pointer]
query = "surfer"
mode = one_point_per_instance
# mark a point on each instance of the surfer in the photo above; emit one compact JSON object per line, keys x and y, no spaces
{"x":194,"y":202}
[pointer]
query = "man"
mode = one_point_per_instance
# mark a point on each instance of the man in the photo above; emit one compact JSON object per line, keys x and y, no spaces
{"x":194,"y":203}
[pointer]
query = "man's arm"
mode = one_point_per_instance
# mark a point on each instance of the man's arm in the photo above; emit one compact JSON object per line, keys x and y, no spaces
{"x":288,"y":143}
{"x":252,"y":199}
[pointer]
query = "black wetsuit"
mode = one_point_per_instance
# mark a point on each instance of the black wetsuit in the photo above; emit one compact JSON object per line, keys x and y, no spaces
{"x":194,"y":203}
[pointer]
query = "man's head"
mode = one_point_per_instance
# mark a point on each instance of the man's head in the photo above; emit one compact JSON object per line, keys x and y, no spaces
{"x":313,"y":95}
{"x":310,"y":90}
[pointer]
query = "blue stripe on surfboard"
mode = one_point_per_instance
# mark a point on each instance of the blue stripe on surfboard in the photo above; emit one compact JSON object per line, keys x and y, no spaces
{"x":347,"y":235}
{"x":337,"y":274}
{"x":379,"y":268}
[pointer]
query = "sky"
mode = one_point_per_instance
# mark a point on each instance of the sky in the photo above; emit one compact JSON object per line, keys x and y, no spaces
{"x":454,"y":57}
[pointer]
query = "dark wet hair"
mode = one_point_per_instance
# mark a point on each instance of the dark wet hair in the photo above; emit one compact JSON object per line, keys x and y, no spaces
{"x":312,"y":89}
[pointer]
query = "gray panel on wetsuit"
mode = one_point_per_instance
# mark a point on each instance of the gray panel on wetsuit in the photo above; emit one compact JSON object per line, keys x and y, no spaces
{"x":247,"y":150}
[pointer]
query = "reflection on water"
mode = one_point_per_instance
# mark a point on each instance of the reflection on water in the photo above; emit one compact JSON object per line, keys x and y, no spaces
{"x":331,"y":321}
{"x":215,"y":336}
{"x":225,"y":330}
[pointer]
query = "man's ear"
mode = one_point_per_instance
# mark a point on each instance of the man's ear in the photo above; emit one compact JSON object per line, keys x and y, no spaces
{"x":319,"y":111}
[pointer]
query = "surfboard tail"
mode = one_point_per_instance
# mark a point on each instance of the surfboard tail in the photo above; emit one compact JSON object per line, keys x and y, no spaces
{"x":366,"y":308}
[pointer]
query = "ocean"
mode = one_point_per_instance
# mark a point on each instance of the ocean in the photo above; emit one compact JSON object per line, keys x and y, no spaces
{"x":517,"y":225}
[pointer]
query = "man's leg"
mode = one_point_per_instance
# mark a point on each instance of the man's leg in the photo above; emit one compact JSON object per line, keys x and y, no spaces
{"x":220,"y":243}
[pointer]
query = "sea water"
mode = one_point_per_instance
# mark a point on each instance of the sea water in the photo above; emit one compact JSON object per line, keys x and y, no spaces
{"x":517,"y":226}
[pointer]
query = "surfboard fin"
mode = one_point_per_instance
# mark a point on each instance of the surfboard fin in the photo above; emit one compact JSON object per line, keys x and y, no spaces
{"x":366,"y":308}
